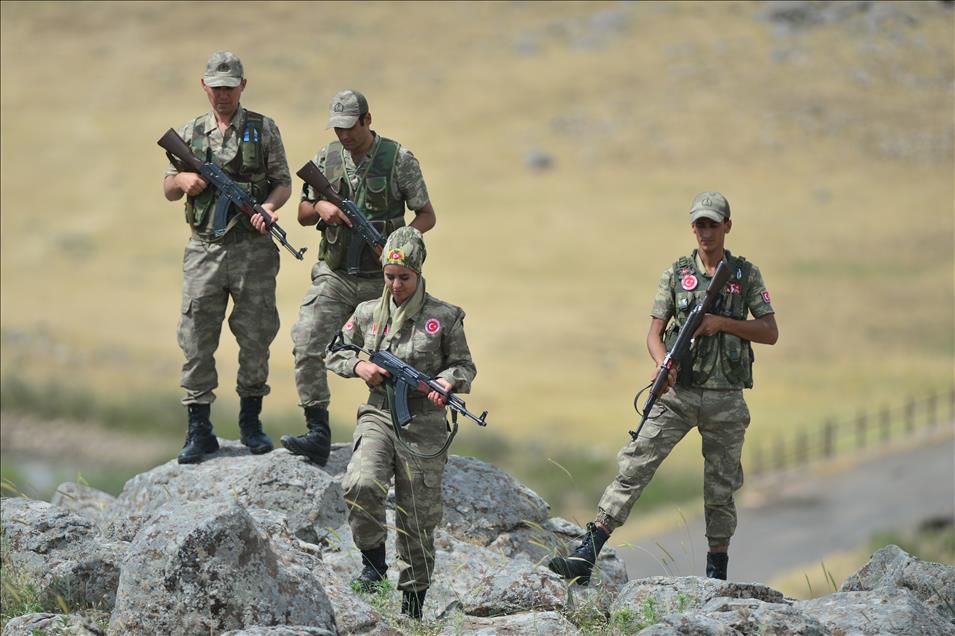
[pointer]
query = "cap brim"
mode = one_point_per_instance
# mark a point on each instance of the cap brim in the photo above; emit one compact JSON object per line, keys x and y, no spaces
{"x":219,"y":80}
{"x":707,"y":214}
{"x":341,"y":121}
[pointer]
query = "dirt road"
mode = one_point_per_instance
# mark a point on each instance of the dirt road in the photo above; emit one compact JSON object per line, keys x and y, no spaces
{"x":803,"y":516}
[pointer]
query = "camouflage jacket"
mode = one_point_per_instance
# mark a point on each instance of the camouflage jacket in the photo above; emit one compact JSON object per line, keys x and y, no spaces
{"x":432,"y":341}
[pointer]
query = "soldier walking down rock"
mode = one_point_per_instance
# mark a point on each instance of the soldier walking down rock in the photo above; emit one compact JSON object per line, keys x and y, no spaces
{"x":706,"y":392}
{"x":382,"y":177}
{"x":428,"y":334}
{"x":241,"y":264}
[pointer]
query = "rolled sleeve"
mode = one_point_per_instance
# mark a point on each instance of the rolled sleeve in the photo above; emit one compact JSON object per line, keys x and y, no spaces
{"x":663,"y":305}
{"x":757,"y":299}
{"x":276,"y":165}
{"x":411,"y":184}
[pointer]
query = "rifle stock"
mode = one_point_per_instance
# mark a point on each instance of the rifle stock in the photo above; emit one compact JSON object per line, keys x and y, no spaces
{"x":172,"y":143}
{"x":683,"y":341}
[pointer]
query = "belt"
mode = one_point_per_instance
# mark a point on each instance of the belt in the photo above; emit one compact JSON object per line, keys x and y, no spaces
{"x":235,"y":235}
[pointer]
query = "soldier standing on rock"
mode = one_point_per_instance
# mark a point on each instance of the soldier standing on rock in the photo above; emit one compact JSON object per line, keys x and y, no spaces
{"x":242,"y":264}
{"x":382,"y":177}
{"x":706,"y":393}
{"x":428,"y":334}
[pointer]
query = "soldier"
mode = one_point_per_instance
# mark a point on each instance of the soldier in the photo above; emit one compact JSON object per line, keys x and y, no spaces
{"x":382,"y":177}
{"x":707,"y":392}
{"x":242,"y":264}
{"x":428,"y":334}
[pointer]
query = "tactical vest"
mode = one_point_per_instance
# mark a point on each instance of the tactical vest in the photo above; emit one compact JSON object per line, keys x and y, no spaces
{"x":247,"y":169}
{"x":372,"y":196}
{"x":734,"y":354}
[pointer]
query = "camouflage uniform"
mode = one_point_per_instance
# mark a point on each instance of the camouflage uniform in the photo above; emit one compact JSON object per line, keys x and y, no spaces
{"x":708,"y":396}
{"x":242,"y":264}
{"x":432,"y":341}
{"x":334,"y":294}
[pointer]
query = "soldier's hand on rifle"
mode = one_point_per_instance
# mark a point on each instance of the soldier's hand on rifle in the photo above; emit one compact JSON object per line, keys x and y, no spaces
{"x":710,"y":326}
{"x":259,"y":223}
{"x":190,"y":183}
{"x":331,"y":214}
{"x":435,"y":397}
{"x":371,"y":373}
{"x":671,"y":378}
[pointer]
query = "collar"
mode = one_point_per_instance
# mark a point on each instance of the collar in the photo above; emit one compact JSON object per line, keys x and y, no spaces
{"x":237,"y":121}
{"x":698,"y":262}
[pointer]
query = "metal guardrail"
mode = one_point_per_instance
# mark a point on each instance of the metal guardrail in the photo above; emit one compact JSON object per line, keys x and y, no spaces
{"x":835,"y":438}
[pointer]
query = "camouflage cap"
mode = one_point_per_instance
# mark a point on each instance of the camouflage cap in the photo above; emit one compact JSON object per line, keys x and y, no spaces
{"x":223,"y":69}
{"x":711,"y":205}
{"x":346,"y":107}
{"x":405,"y":246}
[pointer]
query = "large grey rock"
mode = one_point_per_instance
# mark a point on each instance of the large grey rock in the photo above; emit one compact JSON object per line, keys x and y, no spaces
{"x":52,"y":625}
{"x":892,"y":568}
{"x":281,"y":630}
{"x":688,"y":624}
{"x":531,"y":624}
{"x":62,"y":553}
{"x":205,"y":567}
{"x":519,"y":587}
{"x":896,"y":613}
{"x":83,"y":500}
{"x":309,"y":496}
{"x":481,"y":501}
{"x":680,"y":594}
{"x":753,"y":616}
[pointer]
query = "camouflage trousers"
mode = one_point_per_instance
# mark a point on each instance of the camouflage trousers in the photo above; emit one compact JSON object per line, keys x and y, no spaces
{"x":329,"y":302}
{"x":242,"y":266}
{"x":378,"y":458}
{"x":722,"y":418}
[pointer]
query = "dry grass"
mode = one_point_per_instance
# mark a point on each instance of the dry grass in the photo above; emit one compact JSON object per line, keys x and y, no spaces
{"x":837,"y":160}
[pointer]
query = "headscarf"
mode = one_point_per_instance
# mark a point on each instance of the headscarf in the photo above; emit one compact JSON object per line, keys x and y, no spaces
{"x":405,"y":246}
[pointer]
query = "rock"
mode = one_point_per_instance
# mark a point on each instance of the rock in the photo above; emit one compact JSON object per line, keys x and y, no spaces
{"x":887,"y":613}
{"x":690,"y":624}
{"x":204,"y":567}
{"x":679,"y":594}
{"x":519,"y":587}
{"x":482,"y":501}
{"x":753,"y":616}
{"x":282,"y":630}
{"x":891,"y":568}
{"x":531,"y":624}
{"x":309,"y":496}
{"x":539,"y":161}
{"x":52,"y":625}
{"x":82,"y":499}
{"x":62,"y":553}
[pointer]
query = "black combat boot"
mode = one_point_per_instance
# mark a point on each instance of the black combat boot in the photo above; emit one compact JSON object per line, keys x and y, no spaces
{"x":200,"y":439}
{"x":250,"y":426}
{"x":412,"y":602}
{"x":317,"y":443}
{"x":373,"y":572}
{"x":716,"y":565}
{"x":580,"y":563}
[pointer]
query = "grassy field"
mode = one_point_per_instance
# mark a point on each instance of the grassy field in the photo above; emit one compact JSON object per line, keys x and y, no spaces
{"x":833,"y":145}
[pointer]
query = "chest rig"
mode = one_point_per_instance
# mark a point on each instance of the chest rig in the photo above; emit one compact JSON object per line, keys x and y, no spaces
{"x":373,"y":197}
{"x":724,"y":358}
{"x":247,"y":169}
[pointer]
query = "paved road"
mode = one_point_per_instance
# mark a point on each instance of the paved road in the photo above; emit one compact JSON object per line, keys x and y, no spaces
{"x":812,"y":515}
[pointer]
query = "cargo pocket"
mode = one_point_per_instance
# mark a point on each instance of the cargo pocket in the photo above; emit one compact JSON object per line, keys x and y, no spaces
{"x":185,"y":334}
{"x":306,"y":313}
{"x":376,"y":195}
{"x":737,"y":360}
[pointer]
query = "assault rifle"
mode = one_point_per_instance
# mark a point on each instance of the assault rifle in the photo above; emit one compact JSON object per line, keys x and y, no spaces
{"x":684,"y":339}
{"x":404,"y":377}
{"x":362,"y":229}
{"x":228,"y":191}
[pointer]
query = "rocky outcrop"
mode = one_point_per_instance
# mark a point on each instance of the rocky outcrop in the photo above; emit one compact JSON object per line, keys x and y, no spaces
{"x":259,"y":545}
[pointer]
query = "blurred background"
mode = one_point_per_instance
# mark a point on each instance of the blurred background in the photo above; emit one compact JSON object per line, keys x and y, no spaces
{"x":562,"y":144}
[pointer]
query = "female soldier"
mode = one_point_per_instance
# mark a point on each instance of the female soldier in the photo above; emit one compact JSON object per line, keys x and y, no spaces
{"x":428,"y":334}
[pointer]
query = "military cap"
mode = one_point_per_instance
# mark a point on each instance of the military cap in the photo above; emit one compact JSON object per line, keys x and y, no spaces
{"x":223,"y":69}
{"x":346,"y":107}
{"x":711,"y":205}
{"x":405,"y":246}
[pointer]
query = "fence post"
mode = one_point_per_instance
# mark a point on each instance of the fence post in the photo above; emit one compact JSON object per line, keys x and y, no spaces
{"x":933,"y":410}
{"x":802,"y":447}
{"x":780,"y":454}
{"x":828,"y":439}
{"x":886,"y":424}
{"x":861,"y":426}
